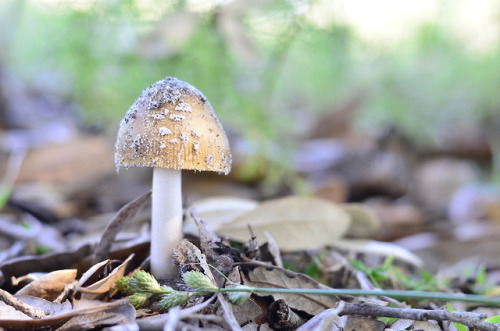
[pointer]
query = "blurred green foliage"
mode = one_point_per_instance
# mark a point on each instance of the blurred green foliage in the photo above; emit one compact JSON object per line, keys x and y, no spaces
{"x":94,"y":54}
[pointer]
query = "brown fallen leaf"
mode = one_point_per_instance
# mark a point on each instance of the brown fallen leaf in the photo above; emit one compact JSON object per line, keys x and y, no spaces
{"x":273,"y":277}
{"x":100,"y":288}
{"x":68,"y":164}
{"x":326,"y":320}
{"x":217,"y":211}
{"x":361,"y":323}
{"x":102,"y":315}
{"x":438,"y":179}
{"x":49,"y":286}
{"x":295,"y":223}
{"x":248,"y":311}
{"x":398,"y":218}
{"x":364,"y":222}
{"x":99,"y":314}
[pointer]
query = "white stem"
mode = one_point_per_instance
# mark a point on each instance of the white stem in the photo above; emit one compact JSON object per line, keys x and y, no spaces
{"x":166,"y":220}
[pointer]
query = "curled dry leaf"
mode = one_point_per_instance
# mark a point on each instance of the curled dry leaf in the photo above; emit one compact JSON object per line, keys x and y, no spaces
{"x":49,"y":286}
{"x":268,"y":277}
{"x":101,"y":287}
{"x":296,"y":223}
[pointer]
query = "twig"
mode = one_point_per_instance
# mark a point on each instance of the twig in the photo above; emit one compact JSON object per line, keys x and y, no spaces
{"x":471,"y":320}
{"x":17,"y":304}
{"x":124,"y":214}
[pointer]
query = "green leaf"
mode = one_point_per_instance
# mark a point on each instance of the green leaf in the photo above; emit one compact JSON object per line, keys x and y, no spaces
{"x":5,"y":193}
{"x":481,"y":276}
{"x":494,"y":319}
{"x":458,"y":326}
{"x":358,"y":265}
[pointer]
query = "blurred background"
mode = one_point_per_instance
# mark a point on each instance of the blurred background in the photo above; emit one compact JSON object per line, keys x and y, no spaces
{"x":392,"y":103}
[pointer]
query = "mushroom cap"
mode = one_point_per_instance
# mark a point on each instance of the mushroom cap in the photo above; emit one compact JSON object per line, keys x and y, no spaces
{"x":172,"y":125}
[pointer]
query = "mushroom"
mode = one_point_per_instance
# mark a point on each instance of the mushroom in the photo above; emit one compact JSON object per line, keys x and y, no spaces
{"x":170,"y":127}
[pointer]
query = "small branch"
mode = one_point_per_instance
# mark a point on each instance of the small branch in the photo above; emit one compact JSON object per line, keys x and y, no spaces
{"x":471,"y":320}
{"x":17,"y":304}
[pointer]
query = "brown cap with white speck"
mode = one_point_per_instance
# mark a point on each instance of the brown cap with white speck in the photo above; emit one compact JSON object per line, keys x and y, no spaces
{"x":172,"y":125}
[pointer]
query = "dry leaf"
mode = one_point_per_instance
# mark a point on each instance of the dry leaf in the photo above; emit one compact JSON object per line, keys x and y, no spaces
{"x":364,"y":222}
{"x":186,"y":253}
{"x":404,"y":324}
{"x":361,"y":323}
{"x":49,"y":286}
{"x":257,"y":327}
{"x":274,"y":249}
{"x":99,"y":314}
{"x":93,"y":274}
{"x":102,"y":315}
{"x":67,"y":164}
{"x":98,"y":289}
{"x":279,"y":278}
{"x":401,"y":324}
{"x":378,"y":248}
{"x":295,"y":223}
{"x":327,"y":320}
{"x":217,"y":211}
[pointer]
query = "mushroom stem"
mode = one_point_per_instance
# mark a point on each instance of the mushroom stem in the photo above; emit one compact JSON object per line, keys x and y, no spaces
{"x":166,"y":220}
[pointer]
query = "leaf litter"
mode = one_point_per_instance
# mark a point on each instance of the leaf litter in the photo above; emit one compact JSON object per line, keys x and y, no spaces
{"x":87,"y":295}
